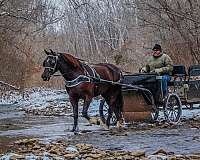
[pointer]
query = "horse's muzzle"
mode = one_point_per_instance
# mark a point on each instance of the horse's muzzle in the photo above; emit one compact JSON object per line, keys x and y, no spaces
{"x":45,"y":78}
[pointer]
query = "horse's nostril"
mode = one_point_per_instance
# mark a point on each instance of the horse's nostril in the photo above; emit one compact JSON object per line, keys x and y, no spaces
{"x":44,"y":77}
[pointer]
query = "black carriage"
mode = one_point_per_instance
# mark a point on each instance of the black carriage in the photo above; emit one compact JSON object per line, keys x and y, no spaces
{"x":143,"y":93}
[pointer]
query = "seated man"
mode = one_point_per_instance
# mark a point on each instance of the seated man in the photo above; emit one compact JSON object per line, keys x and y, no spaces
{"x":161,"y":64}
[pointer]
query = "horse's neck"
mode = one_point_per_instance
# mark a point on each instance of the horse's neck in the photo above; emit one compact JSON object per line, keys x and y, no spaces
{"x":70,"y":73}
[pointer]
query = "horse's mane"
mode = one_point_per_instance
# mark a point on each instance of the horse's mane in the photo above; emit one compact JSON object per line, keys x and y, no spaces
{"x":71,"y":59}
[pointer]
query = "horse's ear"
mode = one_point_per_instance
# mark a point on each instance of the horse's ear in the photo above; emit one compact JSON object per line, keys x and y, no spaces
{"x":52,"y":52}
{"x":72,"y":60}
{"x":46,"y":52}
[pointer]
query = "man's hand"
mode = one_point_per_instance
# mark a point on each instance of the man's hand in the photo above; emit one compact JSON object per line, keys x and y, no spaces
{"x":157,"y":70}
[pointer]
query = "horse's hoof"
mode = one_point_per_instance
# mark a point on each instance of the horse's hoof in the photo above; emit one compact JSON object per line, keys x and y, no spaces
{"x":75,"y":130}
{"x":72,"y":130}
{"x":105,"y":127}
{"x":93,"y":120}
{"x":76,"y":133}
{"x":119,"y":125}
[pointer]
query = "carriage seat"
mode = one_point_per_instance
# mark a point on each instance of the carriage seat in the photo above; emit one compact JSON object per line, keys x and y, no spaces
{"x":139,"y":78}
{"x":194,"y":70}
{"x":179,"y":71}
{"x":144,"y":80}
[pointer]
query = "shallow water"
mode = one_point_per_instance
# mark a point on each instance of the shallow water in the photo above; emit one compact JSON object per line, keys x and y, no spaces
{"x":179,"y":141}
{"x":15,"y":124}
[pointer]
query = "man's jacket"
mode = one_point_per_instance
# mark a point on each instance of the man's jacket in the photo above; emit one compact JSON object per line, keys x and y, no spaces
{"x":161,"y":65}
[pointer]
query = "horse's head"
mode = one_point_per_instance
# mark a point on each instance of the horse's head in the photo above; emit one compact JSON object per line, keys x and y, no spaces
{"x":50,"y":65}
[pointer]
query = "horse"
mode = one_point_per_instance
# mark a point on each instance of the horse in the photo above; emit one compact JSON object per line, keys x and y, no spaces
{"x":83,"y":81}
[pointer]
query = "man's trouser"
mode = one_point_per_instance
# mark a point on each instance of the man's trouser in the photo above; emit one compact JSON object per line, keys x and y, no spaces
{"x":165,"y":80}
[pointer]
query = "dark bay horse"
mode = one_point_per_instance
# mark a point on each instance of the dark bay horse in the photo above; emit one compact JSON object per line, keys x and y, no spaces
{"x":79,"y":85}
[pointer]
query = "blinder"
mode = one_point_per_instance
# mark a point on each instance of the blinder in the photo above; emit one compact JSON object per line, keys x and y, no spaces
{"x":50,"y":68}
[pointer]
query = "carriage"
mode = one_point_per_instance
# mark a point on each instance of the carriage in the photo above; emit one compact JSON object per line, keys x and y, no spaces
{"x":142,"y":95}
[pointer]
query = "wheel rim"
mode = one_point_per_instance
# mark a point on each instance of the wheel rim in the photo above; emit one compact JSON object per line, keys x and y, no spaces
{"x":173,"y":109}
{"x":154,"y":114}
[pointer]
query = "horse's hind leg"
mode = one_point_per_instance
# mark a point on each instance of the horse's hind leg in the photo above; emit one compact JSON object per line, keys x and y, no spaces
{"x":103,"y":121}
{"x":118,"y":109}
{"x":86,"y":105}
{"x":118,"y":114}
{"x":110,"y":101}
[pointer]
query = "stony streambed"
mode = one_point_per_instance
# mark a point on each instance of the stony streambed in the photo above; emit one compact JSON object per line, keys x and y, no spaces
{"x":60,"y":150}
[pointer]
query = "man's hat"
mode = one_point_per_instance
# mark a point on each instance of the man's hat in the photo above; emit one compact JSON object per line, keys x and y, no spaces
{"x":157,"y":47}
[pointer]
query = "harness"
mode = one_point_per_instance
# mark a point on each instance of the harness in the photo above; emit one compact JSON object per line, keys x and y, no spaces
{"x":52,"y":69}
{"x":92,"y":69}
{"x":90,"y":75}
{"x":75,"y":82}
{"x":87,"y":77}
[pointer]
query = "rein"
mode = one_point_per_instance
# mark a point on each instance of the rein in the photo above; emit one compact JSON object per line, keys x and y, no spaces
{"x":81,"y":78}
{"x":87,"y":77}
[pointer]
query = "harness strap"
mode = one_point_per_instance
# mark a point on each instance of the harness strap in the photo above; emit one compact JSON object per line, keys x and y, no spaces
{"x":77,"y":81}
{"x":93,"y":70}
{"x":56,"y":61}
{"x":94,"y":78}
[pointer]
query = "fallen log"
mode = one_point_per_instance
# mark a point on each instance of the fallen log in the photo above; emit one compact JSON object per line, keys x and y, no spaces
{"x":11,"y":86}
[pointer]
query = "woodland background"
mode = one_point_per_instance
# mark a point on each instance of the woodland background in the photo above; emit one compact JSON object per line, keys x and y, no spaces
{"x":121,"y":32}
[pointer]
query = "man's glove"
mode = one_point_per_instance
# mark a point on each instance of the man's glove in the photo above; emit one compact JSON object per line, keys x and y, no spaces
{"x":143,"y":70}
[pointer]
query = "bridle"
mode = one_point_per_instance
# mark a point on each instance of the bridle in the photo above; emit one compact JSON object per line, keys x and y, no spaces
{"x":52,"y":69}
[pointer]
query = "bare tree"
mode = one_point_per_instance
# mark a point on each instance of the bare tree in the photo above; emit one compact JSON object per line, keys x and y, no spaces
{"x":20,"y":22}
{"x":177,"y":21}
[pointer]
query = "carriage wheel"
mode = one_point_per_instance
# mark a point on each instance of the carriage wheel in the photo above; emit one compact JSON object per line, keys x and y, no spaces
{"x":172,"y":108}
{"x":154,"y":114}
{"x":103,"y":109}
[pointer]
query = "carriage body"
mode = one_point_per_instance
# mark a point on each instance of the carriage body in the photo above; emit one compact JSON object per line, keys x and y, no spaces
{"x":183,"y":93}
{"x":138,"y":105}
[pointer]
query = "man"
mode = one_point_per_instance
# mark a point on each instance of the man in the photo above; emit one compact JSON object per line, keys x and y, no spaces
{"x":161,"y":64}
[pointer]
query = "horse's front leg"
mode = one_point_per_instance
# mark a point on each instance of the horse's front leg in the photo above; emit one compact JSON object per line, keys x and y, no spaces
{"x":74,"y":102}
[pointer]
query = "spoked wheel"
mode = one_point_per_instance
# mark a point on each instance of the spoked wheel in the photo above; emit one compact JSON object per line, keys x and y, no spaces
{"x":172,"y":108}
{"x":103,"y":110}
{"x":154,"y":114}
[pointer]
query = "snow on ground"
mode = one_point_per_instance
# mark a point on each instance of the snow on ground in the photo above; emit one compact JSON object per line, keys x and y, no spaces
{"x":42,"y":98}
